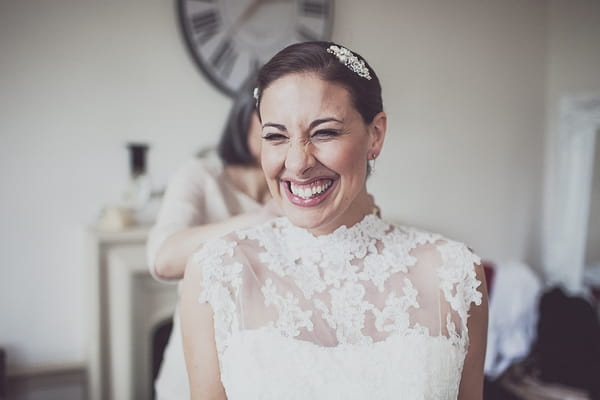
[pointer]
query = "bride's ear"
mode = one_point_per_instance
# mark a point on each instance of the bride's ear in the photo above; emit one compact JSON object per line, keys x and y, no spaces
{"x":377,"y":130}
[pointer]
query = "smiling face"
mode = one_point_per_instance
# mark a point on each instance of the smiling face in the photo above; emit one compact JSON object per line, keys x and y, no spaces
{"x":315,"y":150}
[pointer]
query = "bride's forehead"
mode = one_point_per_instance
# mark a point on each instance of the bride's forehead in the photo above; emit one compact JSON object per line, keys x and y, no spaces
{"x":293,"y":86}
{"x":304,"y":95}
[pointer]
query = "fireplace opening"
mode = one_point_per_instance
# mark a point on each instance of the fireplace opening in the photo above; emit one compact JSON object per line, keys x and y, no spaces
{"x":160,"y":338}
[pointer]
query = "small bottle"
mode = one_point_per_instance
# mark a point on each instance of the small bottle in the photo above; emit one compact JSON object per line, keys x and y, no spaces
{"x":139,"y":189}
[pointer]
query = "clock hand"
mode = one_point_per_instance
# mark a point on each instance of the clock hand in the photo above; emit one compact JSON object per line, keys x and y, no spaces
{"x":251,"y":9}
{"x":248,"y":12}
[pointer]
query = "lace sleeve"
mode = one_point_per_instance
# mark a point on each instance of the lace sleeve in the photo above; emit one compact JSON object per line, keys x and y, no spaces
{"x":458,"y":280}
{"x":220,"y":286}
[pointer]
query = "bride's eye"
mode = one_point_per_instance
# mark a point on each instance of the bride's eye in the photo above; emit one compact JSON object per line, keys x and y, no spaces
{"x":274,"y":137}
{"x":325,"y":134}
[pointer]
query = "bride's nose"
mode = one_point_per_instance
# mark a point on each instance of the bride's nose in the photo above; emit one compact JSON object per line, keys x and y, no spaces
{"x":299,"y":158}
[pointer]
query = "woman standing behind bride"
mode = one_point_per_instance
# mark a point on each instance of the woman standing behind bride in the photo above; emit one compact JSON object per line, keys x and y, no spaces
{"x":207,"y":197}
{"x":330,"y":301}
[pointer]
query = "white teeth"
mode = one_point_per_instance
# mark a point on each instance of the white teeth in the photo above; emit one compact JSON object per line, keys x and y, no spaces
{"x":308,"y":192}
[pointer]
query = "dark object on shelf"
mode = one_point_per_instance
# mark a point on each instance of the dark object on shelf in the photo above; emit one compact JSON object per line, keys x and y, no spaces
{"x":137,"y":158}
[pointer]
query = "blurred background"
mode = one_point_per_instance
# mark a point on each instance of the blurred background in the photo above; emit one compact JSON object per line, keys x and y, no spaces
{"x":474,"y":92}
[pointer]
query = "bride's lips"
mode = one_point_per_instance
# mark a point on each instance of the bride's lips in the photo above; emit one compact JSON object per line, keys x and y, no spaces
{"x":321,"y":187}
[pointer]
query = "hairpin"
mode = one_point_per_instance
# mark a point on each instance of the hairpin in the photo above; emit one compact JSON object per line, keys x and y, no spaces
{"x":255,"y":93}
{"x":347,"y":58}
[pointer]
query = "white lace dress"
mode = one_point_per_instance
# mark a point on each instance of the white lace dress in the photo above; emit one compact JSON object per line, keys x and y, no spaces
{"x":373,"y":311}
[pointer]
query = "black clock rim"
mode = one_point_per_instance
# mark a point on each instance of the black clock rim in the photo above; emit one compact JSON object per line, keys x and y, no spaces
{"x":186,"y":35}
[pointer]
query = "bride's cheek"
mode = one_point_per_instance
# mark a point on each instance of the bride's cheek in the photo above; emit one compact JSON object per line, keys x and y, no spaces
{"x":271,"y":161}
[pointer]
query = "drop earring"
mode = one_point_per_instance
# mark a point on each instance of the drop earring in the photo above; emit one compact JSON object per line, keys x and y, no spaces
{"x":371,"y":163}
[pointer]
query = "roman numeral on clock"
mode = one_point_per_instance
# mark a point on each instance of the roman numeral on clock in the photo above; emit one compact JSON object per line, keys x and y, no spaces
{"x":205,"y":25}
{"x":224,"y":57}
{"x":314,"y":8}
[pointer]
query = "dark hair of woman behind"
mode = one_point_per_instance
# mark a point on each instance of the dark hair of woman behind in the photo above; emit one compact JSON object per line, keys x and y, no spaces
{"x":312,"y":57}
{"x":233,"y":145}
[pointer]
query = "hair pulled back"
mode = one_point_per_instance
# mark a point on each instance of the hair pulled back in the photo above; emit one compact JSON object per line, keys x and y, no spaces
{"x":312,"y":57}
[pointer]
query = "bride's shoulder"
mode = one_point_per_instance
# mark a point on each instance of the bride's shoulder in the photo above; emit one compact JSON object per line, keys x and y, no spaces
{"x":425,"y":243}
{"x":236,"y":245}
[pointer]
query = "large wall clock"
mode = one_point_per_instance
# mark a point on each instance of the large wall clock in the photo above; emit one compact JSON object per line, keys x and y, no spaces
{"x":231,"y":39}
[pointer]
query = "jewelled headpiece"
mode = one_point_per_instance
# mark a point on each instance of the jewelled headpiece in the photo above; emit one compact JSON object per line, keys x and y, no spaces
{"x":256,"y":93}
{"x":348,"y":58}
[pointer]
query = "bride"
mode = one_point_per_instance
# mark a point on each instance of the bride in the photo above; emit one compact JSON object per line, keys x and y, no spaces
{"x":330,"y":301}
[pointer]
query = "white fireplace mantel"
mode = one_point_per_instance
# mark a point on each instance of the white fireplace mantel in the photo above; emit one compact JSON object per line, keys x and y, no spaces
{"x":124,"y":305}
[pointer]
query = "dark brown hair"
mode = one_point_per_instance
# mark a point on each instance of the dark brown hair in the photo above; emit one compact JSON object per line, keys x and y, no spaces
{"x":312,"y":57}
{"x":233,"y":145}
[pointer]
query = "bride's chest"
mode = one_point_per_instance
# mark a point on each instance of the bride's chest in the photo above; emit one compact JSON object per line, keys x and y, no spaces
{"x":263,"y":364}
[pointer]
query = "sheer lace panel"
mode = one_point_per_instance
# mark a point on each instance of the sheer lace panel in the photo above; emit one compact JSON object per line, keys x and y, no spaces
{"x":360,"y":292}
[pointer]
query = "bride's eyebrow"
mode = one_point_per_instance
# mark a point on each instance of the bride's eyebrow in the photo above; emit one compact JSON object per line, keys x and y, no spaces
{"x":318,"y":122}
{"x":313,"y":124}
{"x":276,"y":126}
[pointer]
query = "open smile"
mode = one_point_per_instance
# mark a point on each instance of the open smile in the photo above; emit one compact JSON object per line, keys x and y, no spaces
{"x":308,"y":194}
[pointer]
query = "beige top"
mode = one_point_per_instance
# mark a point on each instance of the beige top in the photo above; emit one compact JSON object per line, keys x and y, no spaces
{"x":198,"y":193}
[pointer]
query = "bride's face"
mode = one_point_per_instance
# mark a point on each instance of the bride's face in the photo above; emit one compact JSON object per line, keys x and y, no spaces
{"x":314,"y":152}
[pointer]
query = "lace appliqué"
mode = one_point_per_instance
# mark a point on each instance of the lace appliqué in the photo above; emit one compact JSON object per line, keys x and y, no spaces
{"x":339,"y":265}
{"x":350,"y":312}
{"x":347,"y":314}
{"x":459,"y":283}
{"x":333,"y":272}
{"x":291,"y":317}
{"x":221,"y":282}
{"x":394,"y":316}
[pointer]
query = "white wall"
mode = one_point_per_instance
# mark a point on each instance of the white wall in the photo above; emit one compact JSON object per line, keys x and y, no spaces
{"x":463,"y":87}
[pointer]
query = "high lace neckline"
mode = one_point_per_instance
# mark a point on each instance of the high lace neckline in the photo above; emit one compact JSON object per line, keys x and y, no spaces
{"x":366,"y":224}
{"x":340,"y":247}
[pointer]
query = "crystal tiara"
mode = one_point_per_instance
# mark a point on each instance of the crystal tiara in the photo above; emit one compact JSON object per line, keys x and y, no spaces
{"x":347,"y":58}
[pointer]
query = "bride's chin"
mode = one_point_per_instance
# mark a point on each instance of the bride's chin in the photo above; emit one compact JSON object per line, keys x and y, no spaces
{"x":305,"y":220}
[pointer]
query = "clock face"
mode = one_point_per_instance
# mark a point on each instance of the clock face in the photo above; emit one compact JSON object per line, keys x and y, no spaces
{"x":231,"y":39}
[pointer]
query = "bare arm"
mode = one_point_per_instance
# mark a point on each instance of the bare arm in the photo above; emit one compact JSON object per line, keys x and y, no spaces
{"x":471,"y":383}
{"x":174,"y":252}
{"x":199,"y":340}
